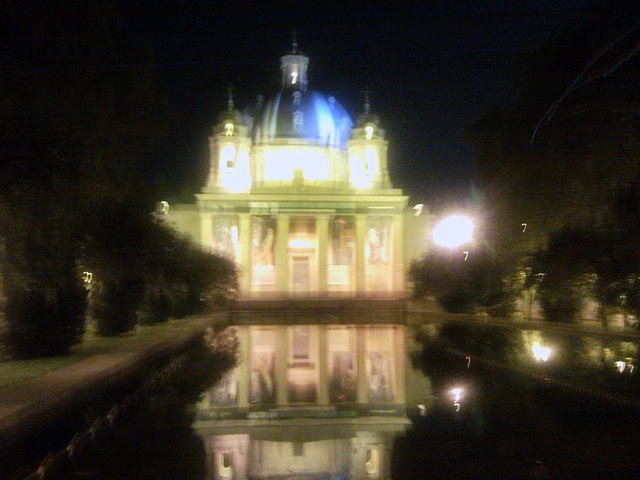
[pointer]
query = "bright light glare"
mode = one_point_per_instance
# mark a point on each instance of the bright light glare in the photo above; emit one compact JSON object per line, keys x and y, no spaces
{"x":453,"y":231}
{"x":541,"y":353}
{"x":357,"y":175}
{"x":371,"y":160}
{"x":369,"y":132}
{"x":280,"y":164}
{"x":457,"y":393}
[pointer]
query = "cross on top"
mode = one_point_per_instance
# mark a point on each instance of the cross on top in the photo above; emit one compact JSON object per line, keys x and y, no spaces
{"x":367,"y":105}
{"x":230,"y":90}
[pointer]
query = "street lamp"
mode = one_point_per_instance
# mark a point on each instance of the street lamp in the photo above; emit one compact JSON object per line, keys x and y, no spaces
{"x":453,"y":231}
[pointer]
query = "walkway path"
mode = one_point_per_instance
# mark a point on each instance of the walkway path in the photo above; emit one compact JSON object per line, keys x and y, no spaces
{"x":29,"y":402}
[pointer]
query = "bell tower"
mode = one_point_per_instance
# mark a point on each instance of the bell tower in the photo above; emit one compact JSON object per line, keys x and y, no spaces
{"x":368,"y":151}
{"x":229,"y":146}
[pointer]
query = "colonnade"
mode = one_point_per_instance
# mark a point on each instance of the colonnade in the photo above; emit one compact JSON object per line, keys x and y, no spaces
{"x":391,"y":283}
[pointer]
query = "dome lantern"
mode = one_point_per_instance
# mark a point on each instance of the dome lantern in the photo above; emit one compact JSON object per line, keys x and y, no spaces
{"x":294,"y":72}
{"x":294,"y":69}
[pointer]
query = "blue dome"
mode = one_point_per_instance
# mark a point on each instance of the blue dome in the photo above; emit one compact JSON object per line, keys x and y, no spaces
{"x":305,"y":115}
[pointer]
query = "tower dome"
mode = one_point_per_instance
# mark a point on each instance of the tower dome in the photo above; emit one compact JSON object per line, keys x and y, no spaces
{"x":308,"y":115}
{"x":298,"y":113}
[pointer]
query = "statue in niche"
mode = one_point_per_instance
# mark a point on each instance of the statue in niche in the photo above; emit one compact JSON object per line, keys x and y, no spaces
{"x":262,"y":245}
{"x":263,"y":378}
{"x":226,"y":237}
{"x":375,"y":247}
{"x":342,"y":241}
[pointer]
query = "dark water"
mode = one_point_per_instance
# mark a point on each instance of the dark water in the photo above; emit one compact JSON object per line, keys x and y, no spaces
{"x":502,"y":425}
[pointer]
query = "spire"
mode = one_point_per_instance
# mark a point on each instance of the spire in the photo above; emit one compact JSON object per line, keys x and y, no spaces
{"x":367,"y":105}
{"x":230,"y":90}
{"x":294,"y":44}
{"x":367,"y":116}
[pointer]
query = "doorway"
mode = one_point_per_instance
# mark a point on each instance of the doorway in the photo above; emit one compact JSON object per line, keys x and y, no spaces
{"x":300,"y":273}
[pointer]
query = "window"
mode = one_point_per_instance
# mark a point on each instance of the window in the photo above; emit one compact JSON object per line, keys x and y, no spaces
{"x":368,"y":132}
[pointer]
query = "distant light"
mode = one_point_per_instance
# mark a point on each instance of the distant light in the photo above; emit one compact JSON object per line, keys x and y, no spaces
{"x":163,"y":207}
{"x":622,"y":366}
{"x":87,"y":277}
{"x":453,"y":231}
{"x":457,"y":393}
{"x":228,"y":129}
{"x":541,"y":353}
{"x":417,"y":209}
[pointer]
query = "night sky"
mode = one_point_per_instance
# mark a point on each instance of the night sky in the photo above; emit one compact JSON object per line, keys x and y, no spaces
{"x":432,"y":67}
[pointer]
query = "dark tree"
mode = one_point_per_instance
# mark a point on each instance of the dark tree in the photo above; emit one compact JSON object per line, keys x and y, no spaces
{"x":568,"y":271}
{"x":79,"y":111}
{"x":586,"y":143}
{"x":44,"y":299}
{"x":481,"y":282}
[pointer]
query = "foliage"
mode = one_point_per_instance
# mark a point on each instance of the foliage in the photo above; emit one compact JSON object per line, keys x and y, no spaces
{"x":621,"y":271}
{"x":113,"y":304}
{"x":461,"y":285}
{"x":597,"y":262}
{"x":113,"y":248}
{"x":44,"y":299}
{"x":582,"y":152}
{"x":74,"y":130}
{"x":569,"y":268}
{"x":181,"y":278}
{"x":146,"y":271}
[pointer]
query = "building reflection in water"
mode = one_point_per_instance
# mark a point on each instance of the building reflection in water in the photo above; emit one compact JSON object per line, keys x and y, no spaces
{"x":301,"y":449}
{"x":309,"y":401}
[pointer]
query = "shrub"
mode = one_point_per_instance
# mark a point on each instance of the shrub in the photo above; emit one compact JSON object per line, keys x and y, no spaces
{"x":113,"y":305}
{"x":43,"y":296}
{"x":44,"y":322}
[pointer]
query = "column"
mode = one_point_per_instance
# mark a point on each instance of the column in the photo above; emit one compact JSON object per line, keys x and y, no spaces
{"x":243,"y":377}
{"x":361,"y":341}
{"x":400,"y":364}
{"x":282,"y":254}
{"x":282,"y":358}
{"x":323,"y":250}
{"x":361,"y":238}
{"x":206,"y":230}
{"x":245,"y":254}
{"x":323,"y":381}
{"x":398,"y":255}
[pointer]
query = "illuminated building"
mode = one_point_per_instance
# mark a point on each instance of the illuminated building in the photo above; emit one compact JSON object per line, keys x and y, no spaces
{"x":300,"y":197}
